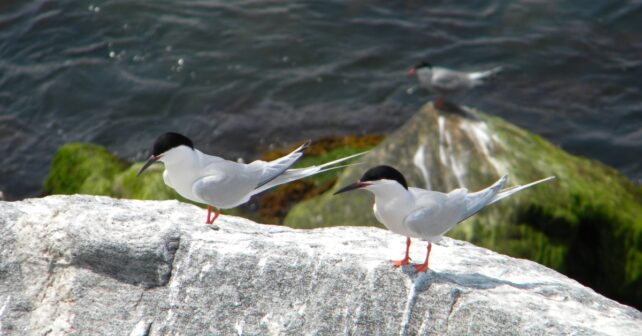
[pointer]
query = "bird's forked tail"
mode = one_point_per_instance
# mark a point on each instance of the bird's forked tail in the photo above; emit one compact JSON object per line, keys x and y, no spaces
{"x":478,"y":77}
{"x":299,"y":173}
{"x":483,"y":198}
{"x":509,"y":191}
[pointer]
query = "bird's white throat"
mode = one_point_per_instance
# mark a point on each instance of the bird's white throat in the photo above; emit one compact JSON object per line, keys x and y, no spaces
{"x":392,"y":202}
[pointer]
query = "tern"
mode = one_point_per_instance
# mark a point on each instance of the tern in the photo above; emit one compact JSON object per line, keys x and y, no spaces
{"x":425,"y":214}
{"x":219,"y":183}
{"x":446,"y":82}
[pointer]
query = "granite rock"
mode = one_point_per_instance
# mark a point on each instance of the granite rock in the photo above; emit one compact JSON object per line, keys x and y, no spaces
{"x":93,"y":265}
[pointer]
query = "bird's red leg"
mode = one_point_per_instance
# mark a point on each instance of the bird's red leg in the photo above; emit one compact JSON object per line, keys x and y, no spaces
{"x":406,"y":259}
{"x":440,"y":103}
{"x":218,"y":212}
{"x":209,"y":213}
{"x":424,"y":267}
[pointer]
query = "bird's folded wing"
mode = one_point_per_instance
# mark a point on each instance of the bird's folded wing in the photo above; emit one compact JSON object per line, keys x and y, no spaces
{"x":476,"y":201}
{"x":222,"y":191}
{"x":206,"y":187}
{"x":433,"y":220}
{"x":450,"y":80}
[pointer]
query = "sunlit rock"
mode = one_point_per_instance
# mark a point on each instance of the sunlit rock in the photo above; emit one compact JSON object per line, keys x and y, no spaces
{"x":91,"y":265}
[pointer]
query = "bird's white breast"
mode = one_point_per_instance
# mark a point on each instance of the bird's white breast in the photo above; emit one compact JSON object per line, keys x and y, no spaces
{"x":391,"y":206}
{"x":181,"y":180}
{"x":182,"y":169}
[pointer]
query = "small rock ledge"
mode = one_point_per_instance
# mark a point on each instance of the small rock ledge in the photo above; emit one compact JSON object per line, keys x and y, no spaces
{"x":95,"y":265}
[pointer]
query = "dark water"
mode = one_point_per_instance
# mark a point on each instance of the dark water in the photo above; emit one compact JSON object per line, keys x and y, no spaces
{"x":238,"y":76}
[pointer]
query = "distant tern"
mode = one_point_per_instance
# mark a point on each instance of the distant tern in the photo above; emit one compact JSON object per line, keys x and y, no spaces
{"x":219,"y":183}
{"x":446,"y":82}
{"x":425,"y":214}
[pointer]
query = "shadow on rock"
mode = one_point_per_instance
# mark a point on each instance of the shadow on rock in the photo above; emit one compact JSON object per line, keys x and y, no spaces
{"x":423,"y":281}
{"x":148,"y":267}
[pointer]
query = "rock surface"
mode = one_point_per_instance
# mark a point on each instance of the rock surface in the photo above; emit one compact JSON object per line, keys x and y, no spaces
{"x":586,"y":224}
{"x":91,"y":265}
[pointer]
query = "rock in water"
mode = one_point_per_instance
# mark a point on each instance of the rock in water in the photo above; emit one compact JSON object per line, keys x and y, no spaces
{"x":93,"y":265}
{"x":586,"y":224}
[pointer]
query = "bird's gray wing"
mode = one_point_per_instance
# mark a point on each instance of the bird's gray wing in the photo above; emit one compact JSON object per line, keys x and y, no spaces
{"x":223,"y":189}
{"x":268,"y":171}
{"x":437,"y":212}
{"x":450,"y":81}
{"x":205,"y":188}
{"x":424,"y":197}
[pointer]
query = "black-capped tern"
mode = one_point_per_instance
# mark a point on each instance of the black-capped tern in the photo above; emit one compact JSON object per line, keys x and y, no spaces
{"x":446,"y":82}
{"x":219,"y":183}
{"x":425,"y":214}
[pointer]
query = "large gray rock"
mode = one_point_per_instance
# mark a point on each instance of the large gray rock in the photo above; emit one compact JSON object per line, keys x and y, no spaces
{"x":90,"y":265}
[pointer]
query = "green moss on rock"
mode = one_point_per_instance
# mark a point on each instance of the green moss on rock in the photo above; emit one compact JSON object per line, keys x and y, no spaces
{"x":147,"y":186}
{"x":83,"y":168}
{"x":591,"y":219}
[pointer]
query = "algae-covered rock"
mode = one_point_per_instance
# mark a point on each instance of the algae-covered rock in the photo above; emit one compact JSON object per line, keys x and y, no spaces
{"x":586,"y":224}
{"x":147,"y":186}
{"x":83,"y":168}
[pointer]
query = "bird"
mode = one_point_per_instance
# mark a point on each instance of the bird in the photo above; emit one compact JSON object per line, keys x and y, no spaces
{"x":421,"y":213}
{"x":446,"y":82}
{"x":220,"y":183}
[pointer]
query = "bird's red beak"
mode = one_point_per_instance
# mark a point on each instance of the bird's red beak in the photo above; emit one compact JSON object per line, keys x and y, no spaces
{"x":412,"y":72}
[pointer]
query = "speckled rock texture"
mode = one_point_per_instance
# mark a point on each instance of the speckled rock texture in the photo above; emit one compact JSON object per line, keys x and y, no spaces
{"x":91,"y":265}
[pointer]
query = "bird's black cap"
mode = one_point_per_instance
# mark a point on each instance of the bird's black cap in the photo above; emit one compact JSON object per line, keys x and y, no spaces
{"x":384,"y":173}
{"x":170,"y":140}
{"x":423,"y":64}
